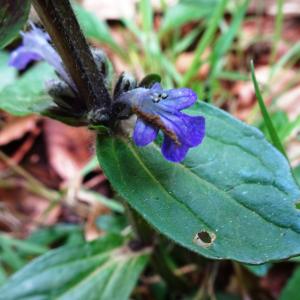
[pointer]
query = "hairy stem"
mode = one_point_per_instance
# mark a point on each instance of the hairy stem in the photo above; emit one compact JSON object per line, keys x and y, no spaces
{"x":61,"y":24}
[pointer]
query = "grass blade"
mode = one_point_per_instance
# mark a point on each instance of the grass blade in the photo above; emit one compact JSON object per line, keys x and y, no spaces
{"x":205,"y":41}
{"x":224,"y":43}
{"x":269,"y":124}
{"x":278,"y":30}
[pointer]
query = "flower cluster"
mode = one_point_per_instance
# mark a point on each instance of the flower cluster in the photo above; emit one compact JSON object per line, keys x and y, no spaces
{"x":156,"y":109}
{"x":36,"y":46}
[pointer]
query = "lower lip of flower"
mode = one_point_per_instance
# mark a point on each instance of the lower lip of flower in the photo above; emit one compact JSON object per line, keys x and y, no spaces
{"x":157,"y":122}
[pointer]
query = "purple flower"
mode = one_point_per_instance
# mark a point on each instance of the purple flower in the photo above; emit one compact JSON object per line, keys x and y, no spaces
{"x":36,"y":46}
{"x":159,"y":109}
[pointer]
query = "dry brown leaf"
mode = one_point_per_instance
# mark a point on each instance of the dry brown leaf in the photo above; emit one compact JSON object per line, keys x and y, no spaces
{"x":290,"y":7}
{"x":290,"y":102}
{"x":16,"y":128}
{"x":113,"y":9}
{"x":184,"y":61}
{"x":28,"y":209}
{"x":68,"y":148}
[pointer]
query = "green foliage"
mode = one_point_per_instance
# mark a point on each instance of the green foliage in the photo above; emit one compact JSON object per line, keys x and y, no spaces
{"x":27,"y":94}
{"x":94,"y":28}
{"x":111,"y":223}
{"x":296,"y":172}
{"x":235,"y":193}
{"x":235,"y":189}
{"x":147,"y":13}
{"x":60,"y":233}
{"x":186,"y":11}
{"x":224,"y":43}
{"x":206,"y":39}
{"x":13,"y":15}
{"x":282,"y":124}
{"x":291,"y":290}
{"x":7,"y":74}
{"x":104,"y":269}
{"x":267,"y":119}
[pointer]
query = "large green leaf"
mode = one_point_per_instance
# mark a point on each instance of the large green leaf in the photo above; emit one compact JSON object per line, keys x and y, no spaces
{"x":13,"y":15}
{"x":27,"y":94}
{"x":234,"y":193}
{"x":8,"y":74}
{"x":104,"y":269}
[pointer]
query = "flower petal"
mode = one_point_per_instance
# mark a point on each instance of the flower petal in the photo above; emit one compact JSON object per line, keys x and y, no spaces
{"x":190,"y":130}
{"x":21,"y":57}
{"x":172,"y":151}
{"x":144,"y":133}
{"x":36,"y":46}
{"x":179,"y":99}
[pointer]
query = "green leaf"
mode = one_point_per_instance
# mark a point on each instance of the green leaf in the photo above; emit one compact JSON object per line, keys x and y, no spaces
{"x":22,"y":246}
{"x":27,"y":94}
{"x":149,"y":80}
{"x":8,"y":74}
{"x":57,"y":234}
{"x":291,"y":290}
{"x":13,"y":15}
{"x":235,"y":190}
{"x":103,"y":269}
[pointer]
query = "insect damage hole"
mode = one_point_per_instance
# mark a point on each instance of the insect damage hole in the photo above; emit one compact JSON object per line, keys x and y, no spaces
{"x":204,"y":238}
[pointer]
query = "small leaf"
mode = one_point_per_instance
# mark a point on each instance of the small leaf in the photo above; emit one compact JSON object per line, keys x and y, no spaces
{"x":103,"y":269}
{"x":149,"y":80}
{"x":233,"y":197}
{"x":13,"y":15}
{"x":27,"y":94}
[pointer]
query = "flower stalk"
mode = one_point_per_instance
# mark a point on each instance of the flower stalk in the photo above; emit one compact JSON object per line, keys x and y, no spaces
{"x":64,"y":30}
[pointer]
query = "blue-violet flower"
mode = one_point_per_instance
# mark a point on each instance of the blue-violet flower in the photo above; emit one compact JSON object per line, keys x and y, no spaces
{"x":156,"y":109}
{"x":36,"y":46}
{"x":159,"y":109}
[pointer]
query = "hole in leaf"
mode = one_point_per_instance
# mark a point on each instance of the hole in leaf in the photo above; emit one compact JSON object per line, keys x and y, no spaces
{"x":204,"y":239}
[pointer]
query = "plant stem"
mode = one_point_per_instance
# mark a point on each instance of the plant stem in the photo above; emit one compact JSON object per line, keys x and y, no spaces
{"x":61,"y":24}
{"x":149,"y":237}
